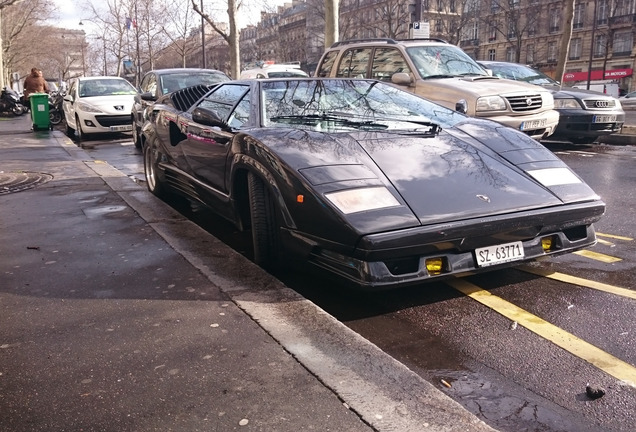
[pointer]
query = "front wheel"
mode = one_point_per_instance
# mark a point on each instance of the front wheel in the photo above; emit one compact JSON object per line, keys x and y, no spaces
{"x":17,"y":110}
{"x":265,"y":226}
{"x":151,"y":171}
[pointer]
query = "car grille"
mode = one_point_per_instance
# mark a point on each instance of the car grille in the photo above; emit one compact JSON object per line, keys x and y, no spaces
{"x":524,"y":102}
{"x":185,"y":98}
{"x":599,"y":103}
{"x":113,"y":120}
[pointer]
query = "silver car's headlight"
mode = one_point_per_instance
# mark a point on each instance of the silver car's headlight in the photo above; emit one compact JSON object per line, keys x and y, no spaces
{"x":357,"y":200}
{"x":491,"y":103}
{"x":83,"y":106}
{"x":567,"y":103}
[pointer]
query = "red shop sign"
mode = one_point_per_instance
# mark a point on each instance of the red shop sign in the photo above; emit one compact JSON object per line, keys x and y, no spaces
{"x":598,"y":75}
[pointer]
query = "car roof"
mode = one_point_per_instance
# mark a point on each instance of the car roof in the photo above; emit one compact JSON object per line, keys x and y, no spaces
{"x":389,"y":41}
{"x":181,"y":70}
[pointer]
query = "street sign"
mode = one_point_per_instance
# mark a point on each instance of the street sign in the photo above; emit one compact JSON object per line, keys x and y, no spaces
{"x":420,"y":30}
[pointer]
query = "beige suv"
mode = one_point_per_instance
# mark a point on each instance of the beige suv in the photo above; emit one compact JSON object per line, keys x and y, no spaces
{"x":445,"y":74}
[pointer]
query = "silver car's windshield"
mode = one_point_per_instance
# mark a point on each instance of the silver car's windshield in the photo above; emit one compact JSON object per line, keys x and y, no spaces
{"x":521,"y":73}
{"x":441,"y":61}
{"x":362,"y":100}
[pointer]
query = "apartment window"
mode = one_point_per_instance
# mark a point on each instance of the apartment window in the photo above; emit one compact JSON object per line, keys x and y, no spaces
{"x":513,"y":4}
{"x":492,"y":33}
{"x":532,"y":29}
{"x":512,"y":29}
{"x":491,"y":54}
{"x":494,"y":5}
{"x":511,"y":54}
{"x":552,"y":51}
{"x":579,"y":15}
{"x":602,"y":12}
{"x":600,"y":46}
{"x":530,"y":54}
{"x":623,"y":7}
{"x":452,"y":6}
{"x":440,"y":5}
{"x":623,"y":43}
{"x":555,"y":18}
{"x":575,"y":49}
{"x":438,"y":26}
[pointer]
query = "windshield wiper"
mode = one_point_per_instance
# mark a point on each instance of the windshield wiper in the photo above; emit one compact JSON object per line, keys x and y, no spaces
{"x":439,"y":76}
{"x":314,"y":119}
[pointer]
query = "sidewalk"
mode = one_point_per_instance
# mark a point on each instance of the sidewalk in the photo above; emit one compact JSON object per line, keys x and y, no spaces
{"x":118,"y":314}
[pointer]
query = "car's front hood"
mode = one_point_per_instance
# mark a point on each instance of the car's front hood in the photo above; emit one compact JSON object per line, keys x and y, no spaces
{"x":483,"y":86}
{"x":111,"y":104}
{"x":474,"y":169}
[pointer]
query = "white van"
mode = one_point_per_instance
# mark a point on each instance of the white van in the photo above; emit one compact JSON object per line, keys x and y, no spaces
{"x":608,"y":89}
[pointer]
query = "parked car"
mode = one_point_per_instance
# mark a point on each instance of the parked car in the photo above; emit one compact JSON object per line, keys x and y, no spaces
{"x":98,"y":105}
{"x":366,"y":181}
{"x":445,"y":74}
{"x":159,"y":82}
{"x":583,"y":115}
{"x":629,"y":100}
{"x":273,"y":70}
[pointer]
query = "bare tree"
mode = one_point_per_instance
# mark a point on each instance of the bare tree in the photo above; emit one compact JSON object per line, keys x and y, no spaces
{"x":568,"y":16}
{"x":180,"y":19}
{"x":512,"y":20}
{"x":19,"y":21}
{"x":231,"y":37}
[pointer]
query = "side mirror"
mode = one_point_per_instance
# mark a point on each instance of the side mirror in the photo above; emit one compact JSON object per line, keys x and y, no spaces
{"x":207,"y":117}
{"x":147,"y":96}
{"x":461,"y":106}
{"x":401,"y":78}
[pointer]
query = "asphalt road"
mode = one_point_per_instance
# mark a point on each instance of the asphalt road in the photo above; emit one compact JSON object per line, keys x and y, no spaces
{"x":521,"y":353}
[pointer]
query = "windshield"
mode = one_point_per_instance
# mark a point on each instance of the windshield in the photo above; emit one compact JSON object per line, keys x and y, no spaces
{"x":441,"y":61}
{"x":521,"y":73}
{"x":306,"y":103}
{"x":105,"y":87}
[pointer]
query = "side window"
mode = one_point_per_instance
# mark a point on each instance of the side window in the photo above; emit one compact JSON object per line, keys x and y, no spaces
{"x":386,"y":62}
{"x":353,"y":63}
{"x":224,"y":99}
{"x":327,"y":64}
{"x":241,"y":114}
{"x":149,"y":84}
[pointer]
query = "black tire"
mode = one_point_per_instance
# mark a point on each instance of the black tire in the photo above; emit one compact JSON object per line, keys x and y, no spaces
{"x":79,"y":134}
{"x":154,"y":182}
{"x":584,"y":140}
{"x":17,"y":110}
{"x":70,"y":132}
{"x":265,"y":226}
{"x":55,"y":117}
{"x":136,"y":133}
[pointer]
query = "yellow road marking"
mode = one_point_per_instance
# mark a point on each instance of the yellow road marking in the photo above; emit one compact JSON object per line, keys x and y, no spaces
{"x":624,"y":292}
{"x":604,"y":242}
{"x":578,"y":347}
{"x":597,"y":256}
{"x":617,"y":237}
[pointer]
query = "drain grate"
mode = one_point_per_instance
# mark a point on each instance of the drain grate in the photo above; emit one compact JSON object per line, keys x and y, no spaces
{"x":11,"y":182}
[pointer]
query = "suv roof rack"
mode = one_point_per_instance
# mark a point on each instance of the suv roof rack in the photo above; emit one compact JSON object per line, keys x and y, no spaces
{"x":387,"y":40}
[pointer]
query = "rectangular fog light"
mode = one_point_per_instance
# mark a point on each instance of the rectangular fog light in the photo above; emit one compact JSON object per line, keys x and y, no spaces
{"x":435,"y":266}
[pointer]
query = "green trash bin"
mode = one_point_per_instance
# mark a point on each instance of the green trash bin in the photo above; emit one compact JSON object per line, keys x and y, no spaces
{"x":40,"y":110}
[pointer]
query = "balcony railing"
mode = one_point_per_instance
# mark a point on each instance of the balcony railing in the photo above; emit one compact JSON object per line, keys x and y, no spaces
{"x":623,"y":19}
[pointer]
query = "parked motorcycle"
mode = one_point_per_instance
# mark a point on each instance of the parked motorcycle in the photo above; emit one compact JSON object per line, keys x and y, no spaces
{"x":55,"y":107}
{"x":10,"y":102}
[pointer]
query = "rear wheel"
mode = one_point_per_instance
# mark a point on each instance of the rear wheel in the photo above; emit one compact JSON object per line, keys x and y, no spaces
{"x":265,"y":226}
{"x":17,"y":110}
{"x":55,"y":117}
{"x":151,"y":170}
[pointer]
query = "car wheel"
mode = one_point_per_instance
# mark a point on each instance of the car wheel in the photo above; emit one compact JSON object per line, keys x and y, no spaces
{"x":584,"y":140}
{"x":151,"y":171}
{"x":70,"y":132}
{"x":79,"y":133}
{"x":265,"y":227}
{"x":136,"y":137}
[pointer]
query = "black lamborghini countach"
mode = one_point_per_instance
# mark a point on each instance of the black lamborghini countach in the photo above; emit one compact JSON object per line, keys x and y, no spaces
{"x":366,"y":181}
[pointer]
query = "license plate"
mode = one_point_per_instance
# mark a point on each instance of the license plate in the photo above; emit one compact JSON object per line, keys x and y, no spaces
{"x":533,"y":124}
{"x":604,"y":119}
{"x":502,"y":253}
{"x":121,"y":128}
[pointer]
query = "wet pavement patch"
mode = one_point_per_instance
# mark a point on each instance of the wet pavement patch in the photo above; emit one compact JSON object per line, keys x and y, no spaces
{"x":11,"y":182}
